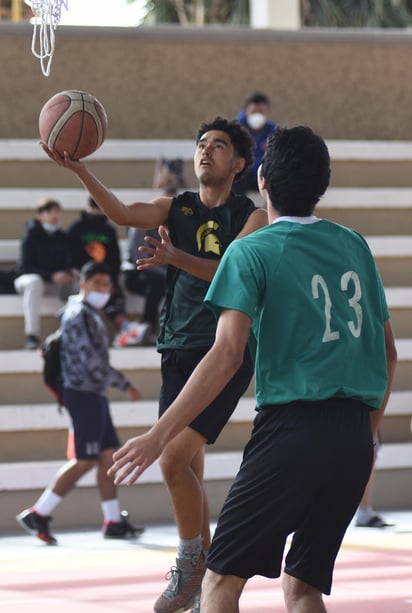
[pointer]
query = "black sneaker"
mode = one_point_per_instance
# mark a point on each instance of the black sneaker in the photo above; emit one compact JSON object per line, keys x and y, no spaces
{"x":36,"y":524}
{"x":122,"y":529}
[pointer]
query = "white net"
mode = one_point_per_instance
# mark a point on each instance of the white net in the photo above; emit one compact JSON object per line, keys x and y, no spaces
{"x":47,"y":15}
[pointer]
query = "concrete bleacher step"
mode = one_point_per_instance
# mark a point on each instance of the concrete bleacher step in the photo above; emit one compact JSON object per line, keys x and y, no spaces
{"x":17,"y":205}
{"x":140,"y":364}
{"x":131,"y":162}
{"x":372,"y":211}
{"x":12,"y":326}
{"x":39,"y":431}
{"x":126,"y":162}
{"x":147,"y":501}
{"x":388,"y":246}
{"x":23,"y":478}
{"x":23,"y":150}
{"x":21,"y":483}
{"x":403,"y":373}
{"x":12,"y":322}
{"x":393,"y":256}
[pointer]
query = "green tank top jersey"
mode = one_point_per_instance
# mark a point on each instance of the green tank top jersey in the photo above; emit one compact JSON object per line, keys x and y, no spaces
{"x":206,"y":233}
{"x":317,"y":305}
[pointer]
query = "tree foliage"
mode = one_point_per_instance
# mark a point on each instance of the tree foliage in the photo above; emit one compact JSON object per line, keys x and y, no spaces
{"x":315,"y":13}
{"x":357,"y":13}
{"x":197,"y":12}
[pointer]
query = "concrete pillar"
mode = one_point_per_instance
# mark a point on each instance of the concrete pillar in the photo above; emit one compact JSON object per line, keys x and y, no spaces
{"x":276,"y":14}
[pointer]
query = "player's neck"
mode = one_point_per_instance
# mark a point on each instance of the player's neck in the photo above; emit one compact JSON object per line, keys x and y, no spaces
{"x":214,"y":195}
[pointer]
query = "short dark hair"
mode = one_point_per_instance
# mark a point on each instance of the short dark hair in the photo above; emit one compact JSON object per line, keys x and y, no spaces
{"x":240,"y":138}
{"x":256,"y":98}
{"x":296,"y":166}
{"x":91,"y":268}
{"x":47,"y":204}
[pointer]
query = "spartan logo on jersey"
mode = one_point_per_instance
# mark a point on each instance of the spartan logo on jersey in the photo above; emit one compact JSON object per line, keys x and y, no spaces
{"x":207,"y":240}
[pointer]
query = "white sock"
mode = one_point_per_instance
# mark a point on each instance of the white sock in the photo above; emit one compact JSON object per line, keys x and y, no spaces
{"x":47,"y":502}
{"x":111,"y":509}
{"x":364,"y":514}
{"x":189,"y":549}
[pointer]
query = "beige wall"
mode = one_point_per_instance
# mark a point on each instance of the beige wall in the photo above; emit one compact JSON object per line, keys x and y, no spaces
{"x":162,"y":82}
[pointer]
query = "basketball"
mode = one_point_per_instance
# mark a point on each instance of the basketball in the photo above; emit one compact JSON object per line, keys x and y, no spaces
{"x":73,"y":121}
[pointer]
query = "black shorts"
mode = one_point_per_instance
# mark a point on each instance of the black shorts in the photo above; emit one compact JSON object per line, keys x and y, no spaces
{"x":304,"y":471}
{"x":178,"y":365}
{"x":92,"y":424}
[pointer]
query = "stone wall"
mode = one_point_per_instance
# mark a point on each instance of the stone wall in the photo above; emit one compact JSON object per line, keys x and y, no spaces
{"x":161,"y":82}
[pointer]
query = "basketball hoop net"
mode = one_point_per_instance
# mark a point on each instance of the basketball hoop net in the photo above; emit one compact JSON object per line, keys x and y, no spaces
{"x":47,"y":14}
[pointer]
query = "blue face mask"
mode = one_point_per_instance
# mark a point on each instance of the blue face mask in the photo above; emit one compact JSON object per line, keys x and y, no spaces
{"x":50,"y":227}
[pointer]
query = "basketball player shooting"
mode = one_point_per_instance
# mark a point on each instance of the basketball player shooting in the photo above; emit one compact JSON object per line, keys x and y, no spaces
{"x":195,"y":229}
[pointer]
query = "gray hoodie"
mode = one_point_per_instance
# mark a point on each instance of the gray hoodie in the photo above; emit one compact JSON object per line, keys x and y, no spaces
{"x":85,"y":350}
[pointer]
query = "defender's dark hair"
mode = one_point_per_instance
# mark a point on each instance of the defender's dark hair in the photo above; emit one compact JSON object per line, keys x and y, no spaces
{"x":296,"y":166}
{"x":239,"y":137}
{"x":256,"y":98}
{"x":91,"y":268}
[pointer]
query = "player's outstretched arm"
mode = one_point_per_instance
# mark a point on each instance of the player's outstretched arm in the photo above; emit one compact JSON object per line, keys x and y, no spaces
{"x":145,"y":215}
{"x":206,"y":382}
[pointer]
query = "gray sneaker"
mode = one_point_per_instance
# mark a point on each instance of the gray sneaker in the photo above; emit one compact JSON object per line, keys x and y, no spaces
{"x":185,"y":581}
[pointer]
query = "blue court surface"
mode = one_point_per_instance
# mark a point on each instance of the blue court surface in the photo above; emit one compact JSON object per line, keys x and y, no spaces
{"x":88,"y":574}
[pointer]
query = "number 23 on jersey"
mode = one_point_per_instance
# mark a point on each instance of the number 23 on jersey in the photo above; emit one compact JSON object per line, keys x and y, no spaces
{"x":351,"y":292}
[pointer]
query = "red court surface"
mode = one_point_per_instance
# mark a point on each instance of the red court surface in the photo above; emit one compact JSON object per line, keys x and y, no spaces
{"x":87,"y":574}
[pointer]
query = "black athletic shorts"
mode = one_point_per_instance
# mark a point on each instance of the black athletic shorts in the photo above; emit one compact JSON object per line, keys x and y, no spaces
{"x":304,"y":471}
{"x":177,"y":366}
{"x":92,"y":424}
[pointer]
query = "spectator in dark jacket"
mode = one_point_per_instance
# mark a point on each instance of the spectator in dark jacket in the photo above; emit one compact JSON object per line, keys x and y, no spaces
{"x":44,"y":266}
{"x":93,"y":237}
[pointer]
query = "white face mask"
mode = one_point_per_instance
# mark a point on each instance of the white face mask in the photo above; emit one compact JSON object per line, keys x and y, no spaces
{"x":50,"y":227}
{"x":256,"y":121}
{"x":98,"y":299}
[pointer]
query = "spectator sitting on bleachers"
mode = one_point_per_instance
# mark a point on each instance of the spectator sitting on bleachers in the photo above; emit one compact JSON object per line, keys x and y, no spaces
{"x":44,"y":266}
{"x":93,"y":237}
{"x":148,"y":283}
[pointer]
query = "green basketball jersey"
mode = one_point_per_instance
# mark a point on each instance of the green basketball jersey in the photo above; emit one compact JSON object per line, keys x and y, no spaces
{"x":317,"y":305}
{"x":206,"y":233}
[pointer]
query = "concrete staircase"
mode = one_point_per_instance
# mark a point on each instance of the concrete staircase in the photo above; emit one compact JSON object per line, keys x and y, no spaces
{"x":369,"y":192}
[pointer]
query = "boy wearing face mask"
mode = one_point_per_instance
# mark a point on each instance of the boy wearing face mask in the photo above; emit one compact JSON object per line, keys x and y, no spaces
{"x":87,"y":374}
{"x":44,"y":267}
{"x":254,"y":117}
